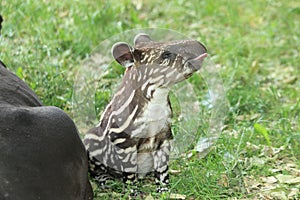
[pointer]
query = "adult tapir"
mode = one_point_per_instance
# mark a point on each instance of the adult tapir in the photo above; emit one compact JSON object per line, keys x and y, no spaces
{"x":41,"y":153}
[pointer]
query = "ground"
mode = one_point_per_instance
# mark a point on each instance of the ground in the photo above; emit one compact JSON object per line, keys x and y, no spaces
{"x":253,"y":44}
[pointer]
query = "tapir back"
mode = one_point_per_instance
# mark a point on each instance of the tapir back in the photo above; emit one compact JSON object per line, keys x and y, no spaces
{"x":41,"y":153}
{"x":14,"y":91}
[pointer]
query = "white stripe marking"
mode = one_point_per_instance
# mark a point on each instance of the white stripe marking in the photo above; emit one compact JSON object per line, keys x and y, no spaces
{"x":93,"y":137}
{"x":168,"y":75}
{"x":119,"y":140}
{"x":178,"y":76}
{"x":150,"y":89}
{"x":97,"y":152}
{"x":130,"y":169}
{"x":164,"y":69}
{"x":130,"y":149}
{"x":154,"y":80}
{"x":120,"y":110}
{"x":144,"y":85}
{"x":126,"y":123}
{"x":120,"y":92}
{"x":151,"y":71}
{"x":126,"y":159}
{"x":140,"y":77}
{"x":139,"y":130}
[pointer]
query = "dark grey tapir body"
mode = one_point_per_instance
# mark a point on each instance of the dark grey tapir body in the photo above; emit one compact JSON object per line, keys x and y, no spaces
{"x":41,"y":153}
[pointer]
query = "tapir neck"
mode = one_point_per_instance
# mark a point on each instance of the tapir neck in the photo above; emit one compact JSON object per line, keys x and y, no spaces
{"x":136,"y":92}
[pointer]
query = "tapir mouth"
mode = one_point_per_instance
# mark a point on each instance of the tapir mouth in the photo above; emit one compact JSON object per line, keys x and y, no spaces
{"x":201,"y":57}
{"x":196,"y":63}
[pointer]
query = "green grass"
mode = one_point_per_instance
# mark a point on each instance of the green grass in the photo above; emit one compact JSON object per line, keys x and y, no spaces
{"x":255,"y":44}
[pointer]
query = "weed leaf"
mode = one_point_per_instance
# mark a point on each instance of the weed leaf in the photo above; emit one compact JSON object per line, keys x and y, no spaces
{"x":263,"y":131}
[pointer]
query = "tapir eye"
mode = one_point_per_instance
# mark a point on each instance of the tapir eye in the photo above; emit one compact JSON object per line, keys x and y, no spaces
{"x":166,"y":55}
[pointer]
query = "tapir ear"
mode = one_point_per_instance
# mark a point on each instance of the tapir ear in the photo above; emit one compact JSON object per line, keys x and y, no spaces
{"x":141,"y":38}
{"x":123,"y":54}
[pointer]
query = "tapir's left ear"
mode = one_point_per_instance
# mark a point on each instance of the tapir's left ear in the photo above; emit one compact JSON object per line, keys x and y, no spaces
{"x":123,"y":54}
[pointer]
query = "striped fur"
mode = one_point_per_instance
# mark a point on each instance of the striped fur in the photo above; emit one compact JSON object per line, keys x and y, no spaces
{"x":133,"y":136}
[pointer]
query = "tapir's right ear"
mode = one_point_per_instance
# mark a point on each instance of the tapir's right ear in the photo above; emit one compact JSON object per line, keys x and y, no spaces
{"x":141,"y":38}
{"x":123,"y":54}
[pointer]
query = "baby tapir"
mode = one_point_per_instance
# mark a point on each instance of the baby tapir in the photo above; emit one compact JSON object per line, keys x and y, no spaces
{"x":134,"y":133}
{"x":41,"y":153}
